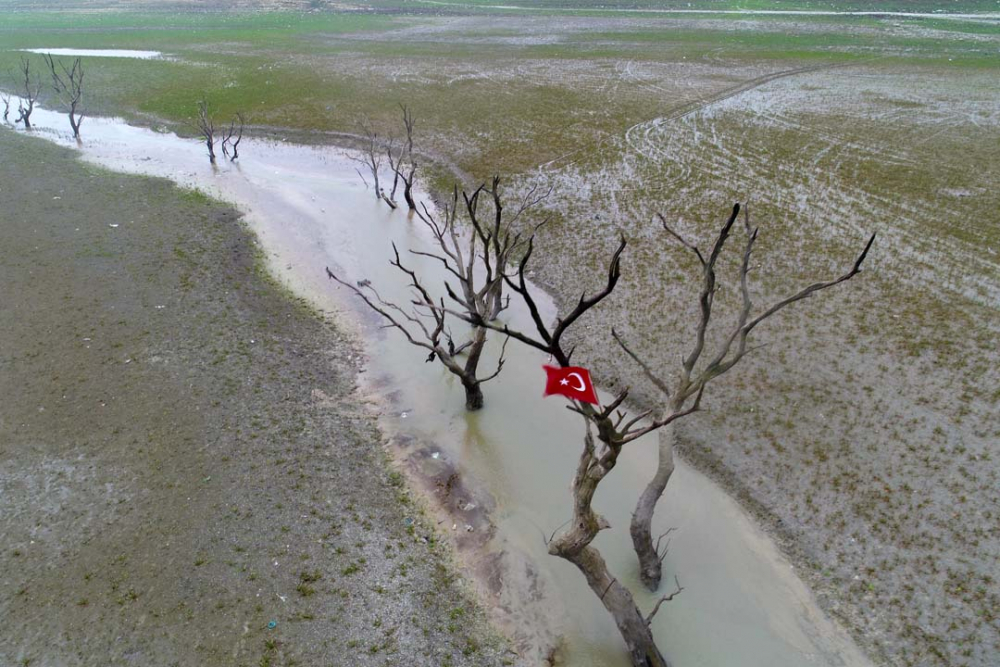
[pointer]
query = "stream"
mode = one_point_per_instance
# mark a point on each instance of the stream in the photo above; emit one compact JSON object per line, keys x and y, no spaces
{"x":742,"y":604}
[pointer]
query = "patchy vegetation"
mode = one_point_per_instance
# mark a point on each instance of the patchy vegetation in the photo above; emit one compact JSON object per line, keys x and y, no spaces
{"x":869,"y":452}
{"x":187,"y":476}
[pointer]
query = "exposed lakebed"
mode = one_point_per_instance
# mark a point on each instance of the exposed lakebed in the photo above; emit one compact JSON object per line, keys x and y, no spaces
{"x":501,"y":475}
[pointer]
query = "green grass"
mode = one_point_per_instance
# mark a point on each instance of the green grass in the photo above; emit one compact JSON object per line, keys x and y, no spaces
{"x":308,"y":72}
{"x":124,"y":30}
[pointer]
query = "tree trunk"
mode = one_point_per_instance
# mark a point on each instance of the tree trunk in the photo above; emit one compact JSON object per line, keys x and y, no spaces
{"x":496,"y":301}
{"x":395,"y":185}
{"x":473,"y":396}
{"x":617,"y":600}
{"x":408,"y":185}
{"x":473,"y":391}
{"x":408,"y":194}
{"x":650,"y":564}
{"x":574,"y":545}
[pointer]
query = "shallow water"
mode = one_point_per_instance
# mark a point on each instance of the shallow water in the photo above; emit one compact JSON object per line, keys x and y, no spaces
{"x":99,"y":53}
{"x":742,"y":603}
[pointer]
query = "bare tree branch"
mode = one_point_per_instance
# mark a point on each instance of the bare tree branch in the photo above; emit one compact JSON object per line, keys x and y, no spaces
{"x":471,"y":260}
{"x":371,"y":155}
{"x":665,"y":598}
{"x":232,"y":137}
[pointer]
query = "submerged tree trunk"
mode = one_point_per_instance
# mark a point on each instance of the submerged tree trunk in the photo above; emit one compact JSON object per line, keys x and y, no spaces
{"x":618,"y":601}
{"x":473,"y":390}
{"x":574,"y":545}
{"x":408,"y":189}
{"x":74,"y":122}
{"x":650,"y":557}
{"x":473,"y":396}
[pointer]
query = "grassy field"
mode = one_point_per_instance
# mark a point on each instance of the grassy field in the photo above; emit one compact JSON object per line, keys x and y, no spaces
{"x":863,"y":431}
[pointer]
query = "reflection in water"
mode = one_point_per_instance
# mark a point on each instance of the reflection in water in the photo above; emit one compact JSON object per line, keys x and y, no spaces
{"x":742,"y":604}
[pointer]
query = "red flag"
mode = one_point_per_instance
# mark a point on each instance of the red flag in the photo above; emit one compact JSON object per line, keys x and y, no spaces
{"x":573,"y":382}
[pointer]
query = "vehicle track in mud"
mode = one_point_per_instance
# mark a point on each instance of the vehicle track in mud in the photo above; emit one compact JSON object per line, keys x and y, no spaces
{"x":647,"y":128}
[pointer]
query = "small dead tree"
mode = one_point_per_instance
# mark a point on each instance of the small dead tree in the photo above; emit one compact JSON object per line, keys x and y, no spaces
{"x":232,"y":137}
{"x":475,"y":262}
{"x":67,"y":82}
{"x":429,"y":332}
{"x":371,"y":157}
{"x":611,"y":427}
{"x":694,"y":376}
{"x":5,"y":98}
{"x":206,"y":127}
{"x":31,"y":88}
{"x":403,"y":163}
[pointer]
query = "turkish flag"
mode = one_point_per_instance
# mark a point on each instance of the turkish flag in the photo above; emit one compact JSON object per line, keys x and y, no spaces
{"x":573,"y":382}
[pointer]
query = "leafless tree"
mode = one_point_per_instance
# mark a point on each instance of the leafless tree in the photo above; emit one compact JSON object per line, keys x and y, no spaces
{"x":609,"y":429}
{"x":206,"y":127}
{"x":31,"y":88}
{"x":5,"y":98}
{"x":371,"y":157}
{"x":67,"y":82}
{"x":694,"y":376}
{"x":425,"y":325}
{"x":232,"y":137}
{"x":475,"y":260}
{"x":403,"y":163}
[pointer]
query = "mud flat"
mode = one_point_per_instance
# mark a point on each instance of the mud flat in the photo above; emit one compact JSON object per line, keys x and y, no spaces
{"x":309,"y":209}
{"x":183,"y":457}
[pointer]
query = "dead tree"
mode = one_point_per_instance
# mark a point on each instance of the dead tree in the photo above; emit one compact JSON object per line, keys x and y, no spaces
{"x":31,"y":88}
{"x":5,"y":98}
{"x":371,"y":157}
{"x":694,"y":376}
{"x":474,"y":260}
{"x":609,"y":429}
{"x":67,"y":82}
{"x":232,"y":137}
{"x":403,"y":163}
{"x":425,"y":326}
{"x":613,"y":429}
{"x":206,"y":127}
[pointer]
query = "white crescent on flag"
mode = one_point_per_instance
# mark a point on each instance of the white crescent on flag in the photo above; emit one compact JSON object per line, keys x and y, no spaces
{"x":583,"y":386}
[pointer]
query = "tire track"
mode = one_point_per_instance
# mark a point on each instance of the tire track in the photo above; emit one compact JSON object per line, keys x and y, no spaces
{"x":687,"y":108}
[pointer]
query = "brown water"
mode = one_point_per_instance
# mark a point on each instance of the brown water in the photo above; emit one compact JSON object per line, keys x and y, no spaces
{"x":743,"y":603}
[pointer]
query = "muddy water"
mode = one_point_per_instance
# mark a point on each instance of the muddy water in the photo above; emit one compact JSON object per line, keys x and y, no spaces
{"x":742,"y":603}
